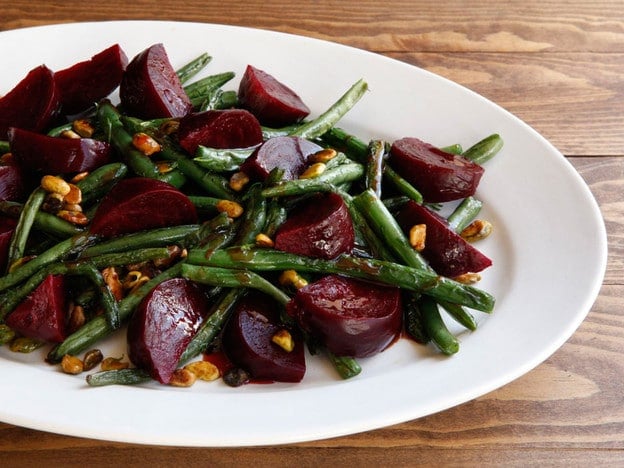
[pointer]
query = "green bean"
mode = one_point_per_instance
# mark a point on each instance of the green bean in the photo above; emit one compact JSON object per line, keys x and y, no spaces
{"x":158,"y":237}
{"x":213,"y":324}
{"x":459,"y":314}
{"x":317,"y":127}
{"x":276,"y":214}
{"x":65,"y":248}
{"x":325,"y":182}
{"x":453,"y":149}
{"x":216,"y":276}
{"x":192,"y":68}
{"x":204,"y":203}
{"x":44,"y":222}
{"x":264,"y":259}
{"x":198,"y":90}
{"x":118,"y":377}
{"x":268,"y":132}
{"x":413,"y":319}
{"x":464,"y":213}
{"x":376,"y":153}
{"x":221,"y":160}
{"x":347,"y":367}
{"x":25,"y":222}
{"x":436,"y":329}
{"x":254,"y":216}
{"x":99,"y":182}
{"x":219,"y":99}
{"x":129,"y":258}
{"x":402,"y":185}
{"x":58,"y":130}
{"x":4,"y":147}
{"x":484,"y":150}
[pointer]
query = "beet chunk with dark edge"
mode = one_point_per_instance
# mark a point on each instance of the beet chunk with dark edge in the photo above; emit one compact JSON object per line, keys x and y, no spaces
{"x":141,"y":203}
{"x":164,"y":323}
{"x":247,"y":341}
{"x":439,"y":176}
{"x":320,"y":228}
{"x":272,"y":102}
{"x":221,"y":129}
{"x":150,"y":87}
{"x":85,"y":83}
{"x":349,"y":317}
{"x":286,"y":152}
{"x":445,"y":250}
{"x":32,"y":104}
{"x":42,"y":315}
{"x":55,"y":155}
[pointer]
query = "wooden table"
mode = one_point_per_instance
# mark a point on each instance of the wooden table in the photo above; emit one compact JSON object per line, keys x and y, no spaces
{"x":558,"y":65}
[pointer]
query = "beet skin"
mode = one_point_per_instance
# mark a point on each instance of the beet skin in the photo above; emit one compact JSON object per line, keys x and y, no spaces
{"x":163,"y":325}
{"x":349,"y":317}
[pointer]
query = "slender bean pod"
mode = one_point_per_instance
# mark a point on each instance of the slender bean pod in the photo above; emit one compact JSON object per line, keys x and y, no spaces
{"x":17,"y":246}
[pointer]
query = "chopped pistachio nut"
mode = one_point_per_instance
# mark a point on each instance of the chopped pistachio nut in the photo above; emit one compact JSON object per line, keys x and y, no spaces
{"x":25,"y":345}
{"x":71,"y":364}
{"x":182,"y":378}
{"x":111,"y":363}
{"x":417,"y":237}
{"x":284,"y":340}
{"x":262,"y":240}
{"x":204,"y":370}
{"x":477,"y":230}
{"x":313,"y":171}
{"x":55,"y":184}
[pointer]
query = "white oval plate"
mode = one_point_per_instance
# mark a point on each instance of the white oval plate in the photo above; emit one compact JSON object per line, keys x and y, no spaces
{"x":544,"y":283}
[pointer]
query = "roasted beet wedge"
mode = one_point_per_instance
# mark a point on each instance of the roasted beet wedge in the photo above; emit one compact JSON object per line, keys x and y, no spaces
{"x":272,"y":102}
{"x":85,"y":83}
{"x":140,"y":203}
{"x":439,"y":176}
{"x":150,"y":87}
{"x":42,"y":315}
{"x":12,"y":183}
{"x":163,"y":325}
{"x":349,"y":317}
{"x":285,"y":152}
{"x":231,"y":128}
{"x":56,"y":155}
{"x":33,"y":104}
{"x":247,"y":341}
{"x":446,"y":251}
{"x":320,"y":228}
{"x":7,"y":226}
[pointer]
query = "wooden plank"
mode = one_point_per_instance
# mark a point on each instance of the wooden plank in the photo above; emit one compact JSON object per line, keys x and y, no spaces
{"x":455,"y":26}
{"x":540,"y":88}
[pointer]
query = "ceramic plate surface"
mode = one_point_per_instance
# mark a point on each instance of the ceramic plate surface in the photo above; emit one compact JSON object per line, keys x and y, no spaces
{"x":544,"y":283}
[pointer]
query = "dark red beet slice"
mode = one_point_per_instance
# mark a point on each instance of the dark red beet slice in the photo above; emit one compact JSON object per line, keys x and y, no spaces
{"x":446,"y":251}
{"x":55,"y":155}
{"x":32,"y":104}
{"x":231,"y":128}
{"x":7,"y":226}
{"x":150,"y":87}
{"x":275,"y":104}
{"x":85,"y":83}
{"x":438,"y":175}
{"x":42,"y":315}
{"x":247,"y":342}
{"x":320,"y":228}
{"x":141,"y":203}
{"x":163,"y":325}
{"x":12,"y":184}
{"x":285,"y":152}
{"x":349,"y":317}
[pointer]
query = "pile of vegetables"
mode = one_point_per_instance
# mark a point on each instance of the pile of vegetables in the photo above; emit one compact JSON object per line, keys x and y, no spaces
{"x":207,"y":222}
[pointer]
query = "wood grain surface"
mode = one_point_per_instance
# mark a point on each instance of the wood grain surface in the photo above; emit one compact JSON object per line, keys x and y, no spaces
{"x":559,"y":66}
